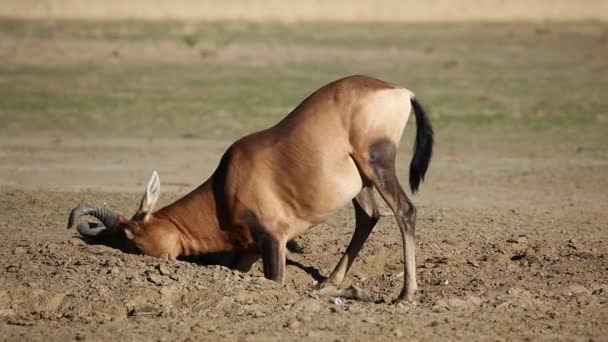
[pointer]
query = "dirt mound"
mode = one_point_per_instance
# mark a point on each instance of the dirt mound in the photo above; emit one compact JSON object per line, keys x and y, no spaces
{"x":473,"y":272}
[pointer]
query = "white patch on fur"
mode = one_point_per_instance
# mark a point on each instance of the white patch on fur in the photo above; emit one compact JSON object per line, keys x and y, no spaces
{"x":129,"y":234}
{"x":386,"y":114}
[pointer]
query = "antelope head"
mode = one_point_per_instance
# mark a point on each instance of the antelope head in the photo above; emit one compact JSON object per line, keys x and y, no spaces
{"x":114,"y":224}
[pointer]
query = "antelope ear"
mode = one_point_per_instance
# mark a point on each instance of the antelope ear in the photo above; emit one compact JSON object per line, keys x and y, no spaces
{"x":150,"y":198}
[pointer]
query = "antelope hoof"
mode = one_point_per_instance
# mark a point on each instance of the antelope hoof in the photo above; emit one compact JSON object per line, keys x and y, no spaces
{"x":405,"y":296}
{"x":351,"y":292}
{"x":324,"y":284}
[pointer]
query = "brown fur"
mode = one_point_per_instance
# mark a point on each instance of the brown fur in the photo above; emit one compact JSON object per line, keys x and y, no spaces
{"x":275,"y":184}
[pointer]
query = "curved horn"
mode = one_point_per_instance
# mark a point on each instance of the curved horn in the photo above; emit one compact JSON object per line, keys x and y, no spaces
{"x":91,"y":229}
{"x":106,"y":216}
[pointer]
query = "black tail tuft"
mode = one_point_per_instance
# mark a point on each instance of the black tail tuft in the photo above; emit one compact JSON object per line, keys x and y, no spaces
{"x":423,"y":147}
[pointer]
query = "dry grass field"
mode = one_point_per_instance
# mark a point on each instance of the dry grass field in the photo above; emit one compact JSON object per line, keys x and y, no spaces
{"x":512,"y":221}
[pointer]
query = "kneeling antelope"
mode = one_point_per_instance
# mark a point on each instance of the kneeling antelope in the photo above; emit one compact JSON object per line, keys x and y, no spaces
{"x":273,"y":185}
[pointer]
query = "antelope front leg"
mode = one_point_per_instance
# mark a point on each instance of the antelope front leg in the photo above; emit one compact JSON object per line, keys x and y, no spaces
{"x":272,"y":248}
{"x":245,"y":262}
{"x":274,"y":254}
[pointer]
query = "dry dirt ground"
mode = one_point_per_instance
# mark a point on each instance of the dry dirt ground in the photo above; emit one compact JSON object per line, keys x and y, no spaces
{"x":512,"y":222}
{"x":511,"y":246}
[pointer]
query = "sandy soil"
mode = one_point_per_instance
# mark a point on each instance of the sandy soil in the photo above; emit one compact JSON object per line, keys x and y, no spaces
{"x":510,"y":247}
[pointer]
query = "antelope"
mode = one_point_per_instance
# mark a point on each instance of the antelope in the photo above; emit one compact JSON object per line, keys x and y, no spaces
{"x":271,"y":186}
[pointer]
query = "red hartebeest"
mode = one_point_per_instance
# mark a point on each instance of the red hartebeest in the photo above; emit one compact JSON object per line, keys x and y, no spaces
{"x":273,"y":185}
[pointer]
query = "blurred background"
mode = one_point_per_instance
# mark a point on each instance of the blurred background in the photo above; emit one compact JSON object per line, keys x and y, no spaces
{"x":310,"y":10}
{"x":91,"y":72}
{"x":95,"y":95}
{"x":494,"y":74}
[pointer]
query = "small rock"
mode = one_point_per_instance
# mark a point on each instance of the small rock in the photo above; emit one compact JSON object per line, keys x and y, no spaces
{"x":312,"y":333}
{"x":75,"y":242}
{"x":19,"y":250}
{"x":397,"y":333}
{"x":473,"y":263}
{"x":438,"y":309}
{"x":369,"y":320}
{"x":518,"y":256}
{"x":307,"y":306}
{"x":293,"y":324}
{"x":156,"y":280}
{"x":578,"y":290}
{"x":48,"y":301}
{"x":52,"y":247}
{"x":257,"y":313}
{"x":166,"y":290}
{"x":163,"y":269}
{"x":305,"y":318}
{"x":455,"y":302}
{"x":107,"y":263}
{"x":7,"y":312}
{"x":574,"y":244}
{"x":20,"y":322}
{"x":148,"y":310}
{"x":243,"y":297}
{"x":224,"y":302}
